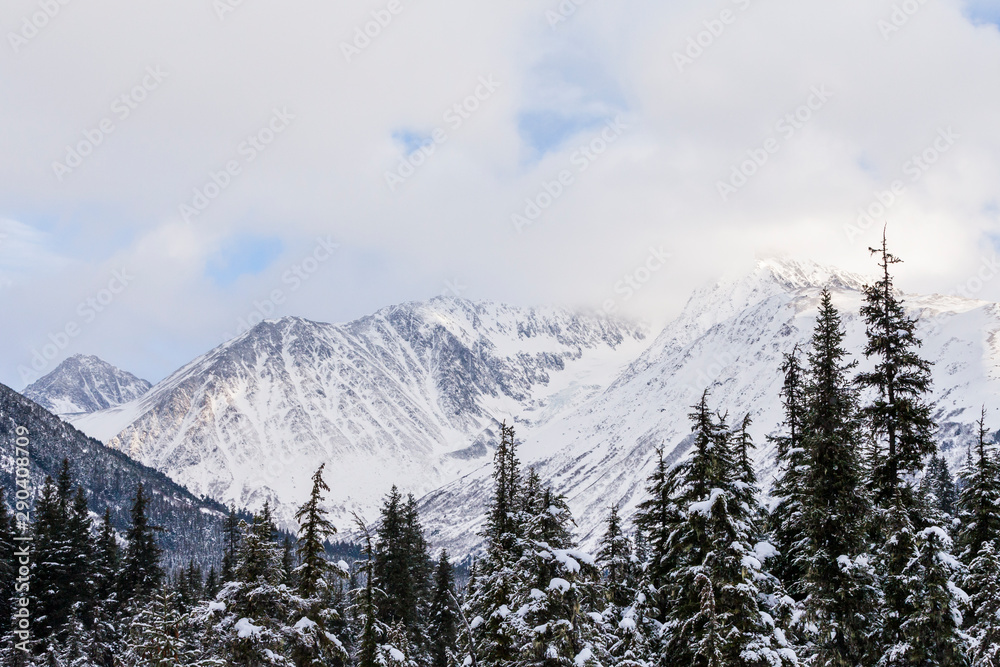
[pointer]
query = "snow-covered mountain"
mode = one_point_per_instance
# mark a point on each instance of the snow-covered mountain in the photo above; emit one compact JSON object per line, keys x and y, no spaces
{"x":730,"y":338}
{"x":410,"y":395}
{"x":85,"y":383}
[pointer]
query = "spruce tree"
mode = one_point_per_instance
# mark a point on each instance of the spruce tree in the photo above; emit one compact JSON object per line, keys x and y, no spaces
{"x":141,"y":572}
{"x":401,"y":564}
{"x":556,"y":609}
{"x":371,"y":630}
{"x":615,"y":559}
{"x":50,"y":582}
{"x":231,"y":543}
{"x":930,"y":633}
{"x":314,"y":530}
{"x":621,"y":570}
{"x":258,"y":560}
{"x":442,"y":615}
{"x":719,"y":581}
{"x":107,"y":558}
{"x":80,"y":565}
{"x":656,"y":520}
{"x":787,"y":515}
{"x":838,"y":586}
{"x":983,"y":582}
{"x":939,"y":485}
{"x":979,"y":499}
{"x":158,"y":634}
{"x":497,"y":584}
{"x":899,"y":416}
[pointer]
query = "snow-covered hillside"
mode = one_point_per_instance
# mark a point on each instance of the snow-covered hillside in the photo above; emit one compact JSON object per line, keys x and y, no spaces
{"x":730,"y":338}
{"x":410,"y":395}
{"x":84,"y":383}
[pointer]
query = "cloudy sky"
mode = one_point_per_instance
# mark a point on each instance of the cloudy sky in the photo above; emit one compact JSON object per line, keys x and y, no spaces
{"x":168,"y":170}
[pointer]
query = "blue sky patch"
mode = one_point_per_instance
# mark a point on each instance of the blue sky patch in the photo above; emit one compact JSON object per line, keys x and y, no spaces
{"x":411,"y":140}
{"x":241,"y":256}
{"x":545,"y":131}
{"x":983,"y":11}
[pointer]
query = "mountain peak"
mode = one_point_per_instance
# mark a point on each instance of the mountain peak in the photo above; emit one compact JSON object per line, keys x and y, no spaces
{"x":797,"y":274}
{"x":85,"y":383}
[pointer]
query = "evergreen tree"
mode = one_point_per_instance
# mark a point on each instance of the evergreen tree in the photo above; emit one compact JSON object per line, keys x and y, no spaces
{"x":621,"y":570}
{"x":787,"y":516}
{"x":718,"y":584}
{"x":497,"y":583}
{"x":939,"y":486}
{"x":616,"y":561}
{"x":231,"y":542}
{"x":158,"y":634}
{"x":107,"y":558}
{"x":141,"y":572}
{"x":104,"y":633}
{"x":400,"y":565}
{"x":984,"y":579}
{"x":371,"y":630}
{"x":314,"y":530}
{"x":50,"y":581}
{"x":899,"y":415}
{"x":443,"y":615}
{"x":979,"y":499}
{"x":212,"y":584}
{"x":930,"y":633}
{"x":258,"y":561}
{"x":555,"y":609}
{"x":656,"y":520}
{"x":80,"y":566}
{"x":838,"y":585}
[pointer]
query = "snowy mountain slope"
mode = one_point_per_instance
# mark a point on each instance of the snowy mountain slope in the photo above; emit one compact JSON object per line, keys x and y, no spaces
{"x":192,"y":527}
{"x":730,"y":338}
{"x":85,"y":383}
{"x":410,"y":395}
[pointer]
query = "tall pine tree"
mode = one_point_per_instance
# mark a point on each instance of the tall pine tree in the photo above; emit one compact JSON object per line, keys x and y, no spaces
{"x":141,"y":572}
{"x":899,"y":415}
{"x":314,"y":530}
{"x":838,"y":586}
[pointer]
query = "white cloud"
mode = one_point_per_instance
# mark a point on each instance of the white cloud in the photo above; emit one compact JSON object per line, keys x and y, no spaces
{"x":325,"y":174}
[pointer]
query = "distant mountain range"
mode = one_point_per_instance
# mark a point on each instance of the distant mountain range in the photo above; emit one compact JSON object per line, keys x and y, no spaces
{"x":412,"y":395}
